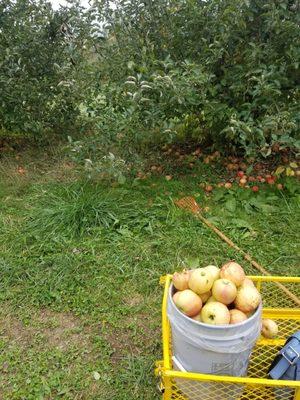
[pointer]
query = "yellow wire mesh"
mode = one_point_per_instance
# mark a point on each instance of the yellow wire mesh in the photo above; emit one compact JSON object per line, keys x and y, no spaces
{"x":277,"y":303}
{"x":274,"y":297}
{"x":185,"y":389}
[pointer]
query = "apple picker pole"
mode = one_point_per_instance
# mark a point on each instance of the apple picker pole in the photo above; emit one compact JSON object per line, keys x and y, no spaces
{"x":189,"y":203}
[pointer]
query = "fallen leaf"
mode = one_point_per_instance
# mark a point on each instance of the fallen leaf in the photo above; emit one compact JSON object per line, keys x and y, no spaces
{"x":96,"y":375}
{"x":21,"y":170}
{"x":289,"y":172}
{"x":279,"y":170}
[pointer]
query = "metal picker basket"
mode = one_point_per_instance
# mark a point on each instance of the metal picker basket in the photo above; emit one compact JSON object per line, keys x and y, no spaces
{"x":180,"y":385}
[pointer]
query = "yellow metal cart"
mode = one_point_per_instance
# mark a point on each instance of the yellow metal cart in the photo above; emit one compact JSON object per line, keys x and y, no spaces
{"x":180,"y":385}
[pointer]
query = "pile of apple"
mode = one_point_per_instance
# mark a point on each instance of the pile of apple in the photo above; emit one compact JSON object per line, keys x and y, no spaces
{"x":219,"y":296}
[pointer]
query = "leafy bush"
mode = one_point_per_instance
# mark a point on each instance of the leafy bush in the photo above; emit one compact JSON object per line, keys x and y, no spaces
{"x":41,"y":62}
{"x":217,"y":72}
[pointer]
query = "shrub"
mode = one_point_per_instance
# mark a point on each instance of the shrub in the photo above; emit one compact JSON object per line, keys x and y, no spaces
{"x":41,"y":61}
{"x":217,"y":72}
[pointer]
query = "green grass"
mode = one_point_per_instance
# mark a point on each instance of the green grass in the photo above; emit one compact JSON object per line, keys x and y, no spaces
{"x":80,"y":266}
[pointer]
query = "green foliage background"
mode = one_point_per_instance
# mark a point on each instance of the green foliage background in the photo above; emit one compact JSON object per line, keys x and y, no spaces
{"x":216,"y":72}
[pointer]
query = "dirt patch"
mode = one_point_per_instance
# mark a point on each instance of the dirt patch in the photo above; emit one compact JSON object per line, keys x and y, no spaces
{"x":62,"y":330}
{"x":134,"y":300}
{"x":136,"y":336}
{"x":14,"y":331}
{"x":18,"y":169}
{"x":59,"y":330}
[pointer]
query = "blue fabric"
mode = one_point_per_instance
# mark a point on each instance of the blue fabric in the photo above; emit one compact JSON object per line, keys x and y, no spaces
{"x":287,"y":363}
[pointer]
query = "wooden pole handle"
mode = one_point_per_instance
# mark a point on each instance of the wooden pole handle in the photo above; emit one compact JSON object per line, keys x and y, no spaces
{"x":247,"y":257}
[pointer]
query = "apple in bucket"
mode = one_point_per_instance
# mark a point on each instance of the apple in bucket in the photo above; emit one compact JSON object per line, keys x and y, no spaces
{"x":224,"y":291}
{"x":205,"y":296}
{"x":215,"y":271}
{"x":233,"y":272}
{"x":215,"y":313}
{"x":181,"y":280}
{"x":237,"y":316}
{"x":248,"y":282}
{"x":247,"y":299}
{"x":188,"y":302}
{"x":201,"y":280}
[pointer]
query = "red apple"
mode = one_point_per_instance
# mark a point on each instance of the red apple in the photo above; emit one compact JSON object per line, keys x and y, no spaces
{"x":234,"y":272}
{"x":248,"y":282}
{"x":237,"y":316}
{"x":247,"y":299}
{"x":208,"y":188}
{"x":181,"y":280}
{"x":187,"y":302}
{"x":270,"y":180}
{"x":224,"y":291}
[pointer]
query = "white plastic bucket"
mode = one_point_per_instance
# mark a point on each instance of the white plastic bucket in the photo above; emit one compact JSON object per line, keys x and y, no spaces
{"x":209,"y":349}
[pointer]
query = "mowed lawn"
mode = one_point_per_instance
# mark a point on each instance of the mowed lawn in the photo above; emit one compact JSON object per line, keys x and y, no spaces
{"x":80,"y":265}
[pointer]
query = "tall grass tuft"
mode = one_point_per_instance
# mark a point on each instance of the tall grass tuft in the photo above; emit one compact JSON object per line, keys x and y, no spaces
{"x":80,"y":208}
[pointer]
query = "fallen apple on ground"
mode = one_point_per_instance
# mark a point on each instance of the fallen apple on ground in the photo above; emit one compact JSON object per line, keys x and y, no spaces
{"x":269,"y":328}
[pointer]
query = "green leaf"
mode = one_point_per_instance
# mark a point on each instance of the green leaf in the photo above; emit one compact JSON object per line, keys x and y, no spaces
{"x":249,"y":169}
{"x":193,"y":262}
{"x":240,"y":223}
{"x":267,"y":208}
{"x":125,"y":232}
{"x":279,"y":170}
{"x":231,"y":205}
{"x":219,"y":195}
{"x":289,"y":172}
{"x":214,"y":220}
{"x":96,"y":375}
{"x":121,"y":179}
{"x":130,"y":64}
